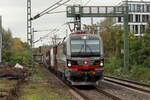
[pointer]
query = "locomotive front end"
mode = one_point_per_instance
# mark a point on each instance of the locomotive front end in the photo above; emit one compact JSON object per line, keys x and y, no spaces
{"x":85,"y":62}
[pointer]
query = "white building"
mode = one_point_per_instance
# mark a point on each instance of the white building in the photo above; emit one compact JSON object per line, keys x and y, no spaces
{"x":139,"y":12}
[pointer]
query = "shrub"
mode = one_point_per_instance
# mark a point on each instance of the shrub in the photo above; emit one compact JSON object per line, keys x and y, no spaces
{"x":140,"y":73}
{"x":113,"y":66}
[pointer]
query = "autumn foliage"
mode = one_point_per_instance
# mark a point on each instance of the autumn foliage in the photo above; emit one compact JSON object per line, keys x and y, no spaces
{"x":13,"y":49}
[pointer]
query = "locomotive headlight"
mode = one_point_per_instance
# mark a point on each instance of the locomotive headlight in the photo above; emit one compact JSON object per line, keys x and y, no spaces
{"x":69,"y":64}
{"x":84,"y":37}
{"x":101,"y":63}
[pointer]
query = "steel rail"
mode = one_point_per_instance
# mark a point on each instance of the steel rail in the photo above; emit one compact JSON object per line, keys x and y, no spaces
{"x":129,"y":86}
{"x":130,"y":81}
{"x":107,"y":94}
{"x":80,"y":93}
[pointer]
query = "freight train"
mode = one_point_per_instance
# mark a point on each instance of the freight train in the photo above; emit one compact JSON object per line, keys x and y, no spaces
{"x":78,"y":59}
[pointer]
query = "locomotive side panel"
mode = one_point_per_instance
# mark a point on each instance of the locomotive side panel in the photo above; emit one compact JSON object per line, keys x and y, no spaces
{"x":47,"y":59}
{"x":55,"y":58}
{"x":52,"y":58}
{"x":61,"y":59}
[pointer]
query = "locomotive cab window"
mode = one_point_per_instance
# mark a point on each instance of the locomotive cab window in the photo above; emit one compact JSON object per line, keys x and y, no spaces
{"x":77,"y":46}
{"x":92,"y":46}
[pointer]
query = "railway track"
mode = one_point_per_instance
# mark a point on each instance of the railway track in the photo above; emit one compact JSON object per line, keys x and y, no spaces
{"x":85,"y":94}
{"x":108,"y":94}
{"x":145,"y":88}
{"x":100,"y":94}
{"x":85,"y":97}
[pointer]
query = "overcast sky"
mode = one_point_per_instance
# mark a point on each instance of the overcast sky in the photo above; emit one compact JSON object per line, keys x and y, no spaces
{"x":13,"y":14}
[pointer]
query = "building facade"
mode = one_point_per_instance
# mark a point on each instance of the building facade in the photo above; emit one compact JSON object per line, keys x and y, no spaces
{"x":139,"y":14}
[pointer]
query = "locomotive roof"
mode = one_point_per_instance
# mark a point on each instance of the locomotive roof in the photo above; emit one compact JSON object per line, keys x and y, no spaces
{"x":89,"y":36}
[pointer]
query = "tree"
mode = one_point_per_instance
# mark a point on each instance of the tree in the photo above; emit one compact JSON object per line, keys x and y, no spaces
{"x":14,"y":50}
{"x":18,"y":44}
{"x":140,"y":49}
{"x":7,"y":39}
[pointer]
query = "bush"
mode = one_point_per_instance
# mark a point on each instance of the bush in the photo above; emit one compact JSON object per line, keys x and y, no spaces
{"x":140,"y":73}
{"x":147,"y":62}
{"x":113,"y":66}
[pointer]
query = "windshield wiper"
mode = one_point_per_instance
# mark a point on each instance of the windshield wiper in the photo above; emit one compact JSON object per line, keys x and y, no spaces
{"x":90,"y":49}
{"x":82,"y":46}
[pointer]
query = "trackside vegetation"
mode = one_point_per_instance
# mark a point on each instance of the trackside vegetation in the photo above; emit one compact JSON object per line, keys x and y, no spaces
{"x":139,"y":54}
{"x":13,"y":49}
{"x":39,"y":88}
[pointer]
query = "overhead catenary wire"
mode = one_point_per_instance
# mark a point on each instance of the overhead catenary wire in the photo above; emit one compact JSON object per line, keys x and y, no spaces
{"x":49,"y":9}
{"x":54,"y":31}
{"x":41,"y":13}
{"x":87,"y":2}
{"x":42,"y":30}
{"x":56,"y":12}
{"x":59,"y":4}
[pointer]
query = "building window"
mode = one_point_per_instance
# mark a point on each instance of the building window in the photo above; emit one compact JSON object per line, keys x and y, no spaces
{"x":130,"y":18}
{"x":142,"y":29}
{"x":142,"y":8}
{"x":145,"y":18}
{"x":129,"y":28}
{"x":129,"y":7}
{"x":145,"y":8}
{"x":137,"y":18}
{"x":148,"y":8}
{"x":119,"y":19}
{"x":133,"y":30}
{"x":132,"y":8}
{"x":136,"y":29}
{"x":138,"y":8}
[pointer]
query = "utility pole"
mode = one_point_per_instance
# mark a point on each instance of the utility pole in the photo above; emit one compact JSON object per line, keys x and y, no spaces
{"x":33,"y":37}
{"x":0,"y":39}
{"x":126,"y":45}
{"x":30,"y":32}
{"x":92,"y":25}
{"x":77,"y":20}
{"x":29,"y":24}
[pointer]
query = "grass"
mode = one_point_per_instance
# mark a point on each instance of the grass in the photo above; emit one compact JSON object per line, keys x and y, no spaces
{"x":40,"y":91}
{"x":38,"y":72}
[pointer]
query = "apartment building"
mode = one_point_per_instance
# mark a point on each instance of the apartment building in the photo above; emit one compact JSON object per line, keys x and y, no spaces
{"x":139,"y":14}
